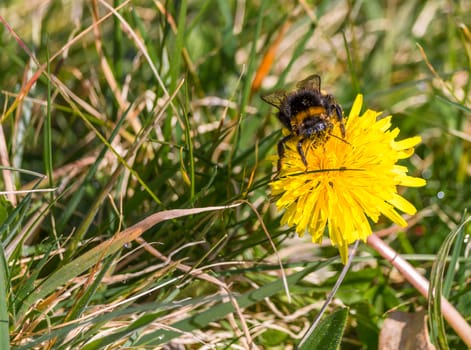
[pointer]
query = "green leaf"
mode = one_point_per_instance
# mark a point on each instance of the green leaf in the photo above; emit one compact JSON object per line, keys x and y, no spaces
{"x":328,"y":334}
{"x":435,"y":316}
{"x":5,"y":209}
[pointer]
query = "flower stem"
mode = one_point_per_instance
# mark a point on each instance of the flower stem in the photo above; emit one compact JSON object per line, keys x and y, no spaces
{"x":453,"y":317}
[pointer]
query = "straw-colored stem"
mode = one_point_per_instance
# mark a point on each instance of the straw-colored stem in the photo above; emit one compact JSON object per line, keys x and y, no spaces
{"x":452,"y":316}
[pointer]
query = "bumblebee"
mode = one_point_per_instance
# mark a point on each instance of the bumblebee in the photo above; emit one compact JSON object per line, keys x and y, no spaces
{"x":307,"y":113}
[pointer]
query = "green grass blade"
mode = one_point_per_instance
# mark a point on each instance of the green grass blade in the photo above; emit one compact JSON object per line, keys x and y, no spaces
{"x":175,"y":68}
{"x":12,"y":225}
{"x":328,"y":334}
{"x":4,"y":288}
{"x":48,"y":131}
{"x":189,"y":146}
{"x":247,"y":82}
{"x":454,"y":262}
{"x":435,"y":317}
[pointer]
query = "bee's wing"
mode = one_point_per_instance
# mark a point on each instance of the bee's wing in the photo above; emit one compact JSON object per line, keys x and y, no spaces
{"x":275,"y":98}
{"x":311,"y":82}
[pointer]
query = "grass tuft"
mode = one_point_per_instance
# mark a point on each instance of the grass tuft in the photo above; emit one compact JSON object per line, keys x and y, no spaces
{"x":136,"y":154}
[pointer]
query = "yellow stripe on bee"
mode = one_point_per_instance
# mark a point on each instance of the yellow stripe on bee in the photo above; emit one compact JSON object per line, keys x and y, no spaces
{"x":310,"y":112}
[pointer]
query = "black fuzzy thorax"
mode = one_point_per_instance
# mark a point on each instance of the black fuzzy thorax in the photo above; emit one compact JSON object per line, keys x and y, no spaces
{"x":298,"y":102}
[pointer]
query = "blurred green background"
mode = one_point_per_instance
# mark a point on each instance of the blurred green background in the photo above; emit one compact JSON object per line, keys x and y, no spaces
{"x":143,"y":106}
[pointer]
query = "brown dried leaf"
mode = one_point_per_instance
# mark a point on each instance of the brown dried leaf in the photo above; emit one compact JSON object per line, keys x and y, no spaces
{"x":405,"y":331}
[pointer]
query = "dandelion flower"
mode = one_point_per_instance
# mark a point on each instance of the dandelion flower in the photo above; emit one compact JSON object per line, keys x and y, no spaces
{"x":348,"y":181}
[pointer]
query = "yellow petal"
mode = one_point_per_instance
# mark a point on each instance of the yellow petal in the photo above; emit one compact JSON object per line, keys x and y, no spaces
{"x":403,"y":204}
{"x":410,"y":181}
{"x":407,"y":143}
{"x":356,"y":107}
{"x":395,"y":217}
{"x":343,"y":250}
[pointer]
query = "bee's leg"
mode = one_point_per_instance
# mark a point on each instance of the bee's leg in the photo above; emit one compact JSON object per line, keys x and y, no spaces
{"x":342,"y":129}
{"x":299,"y":146}
{"x":338,"y":111}
{"x":281,"y":149}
